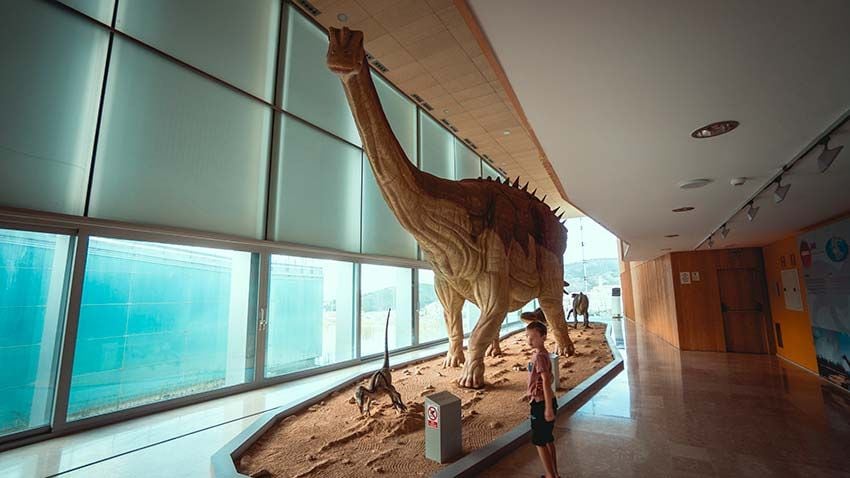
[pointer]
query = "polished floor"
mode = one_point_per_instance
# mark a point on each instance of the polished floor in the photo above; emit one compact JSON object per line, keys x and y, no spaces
{"x":696,"y":414}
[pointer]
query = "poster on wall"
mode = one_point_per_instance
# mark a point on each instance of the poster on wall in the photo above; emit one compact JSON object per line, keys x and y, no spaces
{"x":826,"y":271}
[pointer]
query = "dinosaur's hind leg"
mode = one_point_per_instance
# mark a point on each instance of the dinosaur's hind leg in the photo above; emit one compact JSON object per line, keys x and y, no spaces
{"x":553,"y":309}
{"x":494,"y":349}
{"x":452,"y":303}
{"x":492,"y":299}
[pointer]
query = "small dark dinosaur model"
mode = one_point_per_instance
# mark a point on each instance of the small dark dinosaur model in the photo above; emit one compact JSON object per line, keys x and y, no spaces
{"x":580,"y":306}
{"x":381,"y":382}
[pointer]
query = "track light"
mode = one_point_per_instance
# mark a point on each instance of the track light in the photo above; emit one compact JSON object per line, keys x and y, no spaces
{"x":827,"y":156}
{"x":781,"y":191}
{"x":752,"y":211}
{"x":724,"y":231}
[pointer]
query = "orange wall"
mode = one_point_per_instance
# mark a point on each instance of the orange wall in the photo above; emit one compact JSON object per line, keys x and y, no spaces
{"x":654,"y":298}
{"x":798,"y":345}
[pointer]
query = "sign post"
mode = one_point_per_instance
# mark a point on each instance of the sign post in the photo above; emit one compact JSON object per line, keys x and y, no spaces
{"x":443,"y":439}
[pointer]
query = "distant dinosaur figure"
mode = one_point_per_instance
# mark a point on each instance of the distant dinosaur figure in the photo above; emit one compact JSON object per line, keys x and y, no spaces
{"x":491,"y":243}
{"x":380,"y":383}
{"x":580,"y":307}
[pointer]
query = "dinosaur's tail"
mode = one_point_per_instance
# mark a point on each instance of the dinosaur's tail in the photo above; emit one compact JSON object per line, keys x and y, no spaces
{"x":387,"y":341}
{"x":566,"y":284}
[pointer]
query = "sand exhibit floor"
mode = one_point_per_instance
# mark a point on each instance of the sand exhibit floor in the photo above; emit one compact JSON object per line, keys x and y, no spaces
{"x":331,"y":439}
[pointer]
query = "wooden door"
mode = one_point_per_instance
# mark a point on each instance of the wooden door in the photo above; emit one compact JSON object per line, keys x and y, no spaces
{"x":742,"y":304}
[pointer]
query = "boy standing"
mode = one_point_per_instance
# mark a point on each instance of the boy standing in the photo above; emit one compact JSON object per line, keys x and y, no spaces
{"x":541,"y":398}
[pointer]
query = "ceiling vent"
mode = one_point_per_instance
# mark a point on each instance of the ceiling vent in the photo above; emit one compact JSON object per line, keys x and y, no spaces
{"x":470,"y":143}
{"x":427,"y":106}
{"x":380,"y":66}
{"x":310,"y":8}
{"x":417,"y":98}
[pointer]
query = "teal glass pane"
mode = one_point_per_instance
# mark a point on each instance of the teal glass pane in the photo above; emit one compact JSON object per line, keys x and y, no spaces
{"x":53,"y":63}
{"x":401,"y":113}
{"x":311,"y":314}
{"x":100,"y":10}
{"x":191,"y":154}
{"x":383,"y":288}
{"x":159,"y":321}
{"x":318,"y":189}
{"x":437,"y":146}
{"x":432,"y":325}
{"x":310,"y":90}
{"x":234,"y":41}
{"x":33,"y":268}
{"x":382,"y":233}
{"x":489,"y":171}
{"x":467,"y":163}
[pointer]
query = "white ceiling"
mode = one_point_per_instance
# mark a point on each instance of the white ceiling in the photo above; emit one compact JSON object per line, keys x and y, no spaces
{"x":613,"y":90}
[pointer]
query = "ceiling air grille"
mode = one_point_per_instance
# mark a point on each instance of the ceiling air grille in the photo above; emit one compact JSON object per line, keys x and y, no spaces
{"x":470,"y":143}
{"x":310,"y":8}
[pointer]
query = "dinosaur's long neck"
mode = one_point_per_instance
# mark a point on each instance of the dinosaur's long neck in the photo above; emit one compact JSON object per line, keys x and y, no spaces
{"x":395,"y":174}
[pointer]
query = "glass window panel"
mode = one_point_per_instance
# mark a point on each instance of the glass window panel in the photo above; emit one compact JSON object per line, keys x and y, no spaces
{"x":311,"y":314}
{"x":383,"y":288}
{"x":234,"y":41}
{"x":310,"y":90}
{"x":489,"y":171}
{"x":318,"y":189}
{"x":33,"y":268}
{"x":467,"y":163}
{"x":100,"y":10}
{"x":432,"y":325}
{"x":194,"y":154}
{"x":160,"y":321}
{"x":53,"y":63}
{"x":382,"y":233}
{"x":437,"y":148}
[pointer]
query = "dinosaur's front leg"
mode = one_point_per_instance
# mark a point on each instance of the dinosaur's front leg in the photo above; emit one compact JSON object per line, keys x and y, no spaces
{"x":452,"y":303}
{"x":553,"y":309}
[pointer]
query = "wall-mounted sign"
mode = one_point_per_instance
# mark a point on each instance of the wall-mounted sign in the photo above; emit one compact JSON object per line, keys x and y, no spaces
{"x":791,"y":288}
{"x":823,"y":253}
{"x":695,"y":276}
{"x":685,"y":277}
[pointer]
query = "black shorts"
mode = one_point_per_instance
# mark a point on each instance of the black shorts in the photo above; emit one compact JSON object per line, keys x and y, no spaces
{"x":541,"y":430}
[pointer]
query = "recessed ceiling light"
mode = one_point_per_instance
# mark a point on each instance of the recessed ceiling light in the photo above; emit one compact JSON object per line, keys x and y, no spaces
{"x":694,"y":183}
{"x":506,"y":132}
{"x":445,"y":110}
{"x":715,"y":129}
{"x":342,"y":17}
{"x":683,"y":209}
{"x":671,"y":235}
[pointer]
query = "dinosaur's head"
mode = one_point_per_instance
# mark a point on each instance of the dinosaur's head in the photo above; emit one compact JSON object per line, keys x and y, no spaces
{"x":345,"y":52}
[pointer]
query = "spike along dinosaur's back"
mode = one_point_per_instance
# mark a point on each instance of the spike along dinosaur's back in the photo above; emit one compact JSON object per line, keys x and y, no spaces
{"x":491,"y":243}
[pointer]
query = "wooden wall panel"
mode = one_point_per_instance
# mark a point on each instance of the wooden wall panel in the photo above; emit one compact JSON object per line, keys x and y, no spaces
{"x":654,"y":298}
{"x":700,"y":319}
{"x":626,"y":284}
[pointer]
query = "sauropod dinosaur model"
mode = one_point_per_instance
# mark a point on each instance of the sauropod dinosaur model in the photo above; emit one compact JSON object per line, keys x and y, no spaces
{"x":380,"y":383}
{"x":580,"y":307}
{"x":491,"y":243}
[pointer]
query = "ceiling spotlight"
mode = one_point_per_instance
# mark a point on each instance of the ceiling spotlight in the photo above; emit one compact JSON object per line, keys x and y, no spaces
{"x":781,"y":191}
{"x":724,"y":231}
{"x":710,"y":242}
{"x":670,"y":236}
{"x":714,"y":129}
{"x":738,"y":181}
{"x":694,"y":183}
{"x":752,"y":211}
{"x":683,"y":209}
{"x":342,"y":17}
{"x":827,"y":156}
